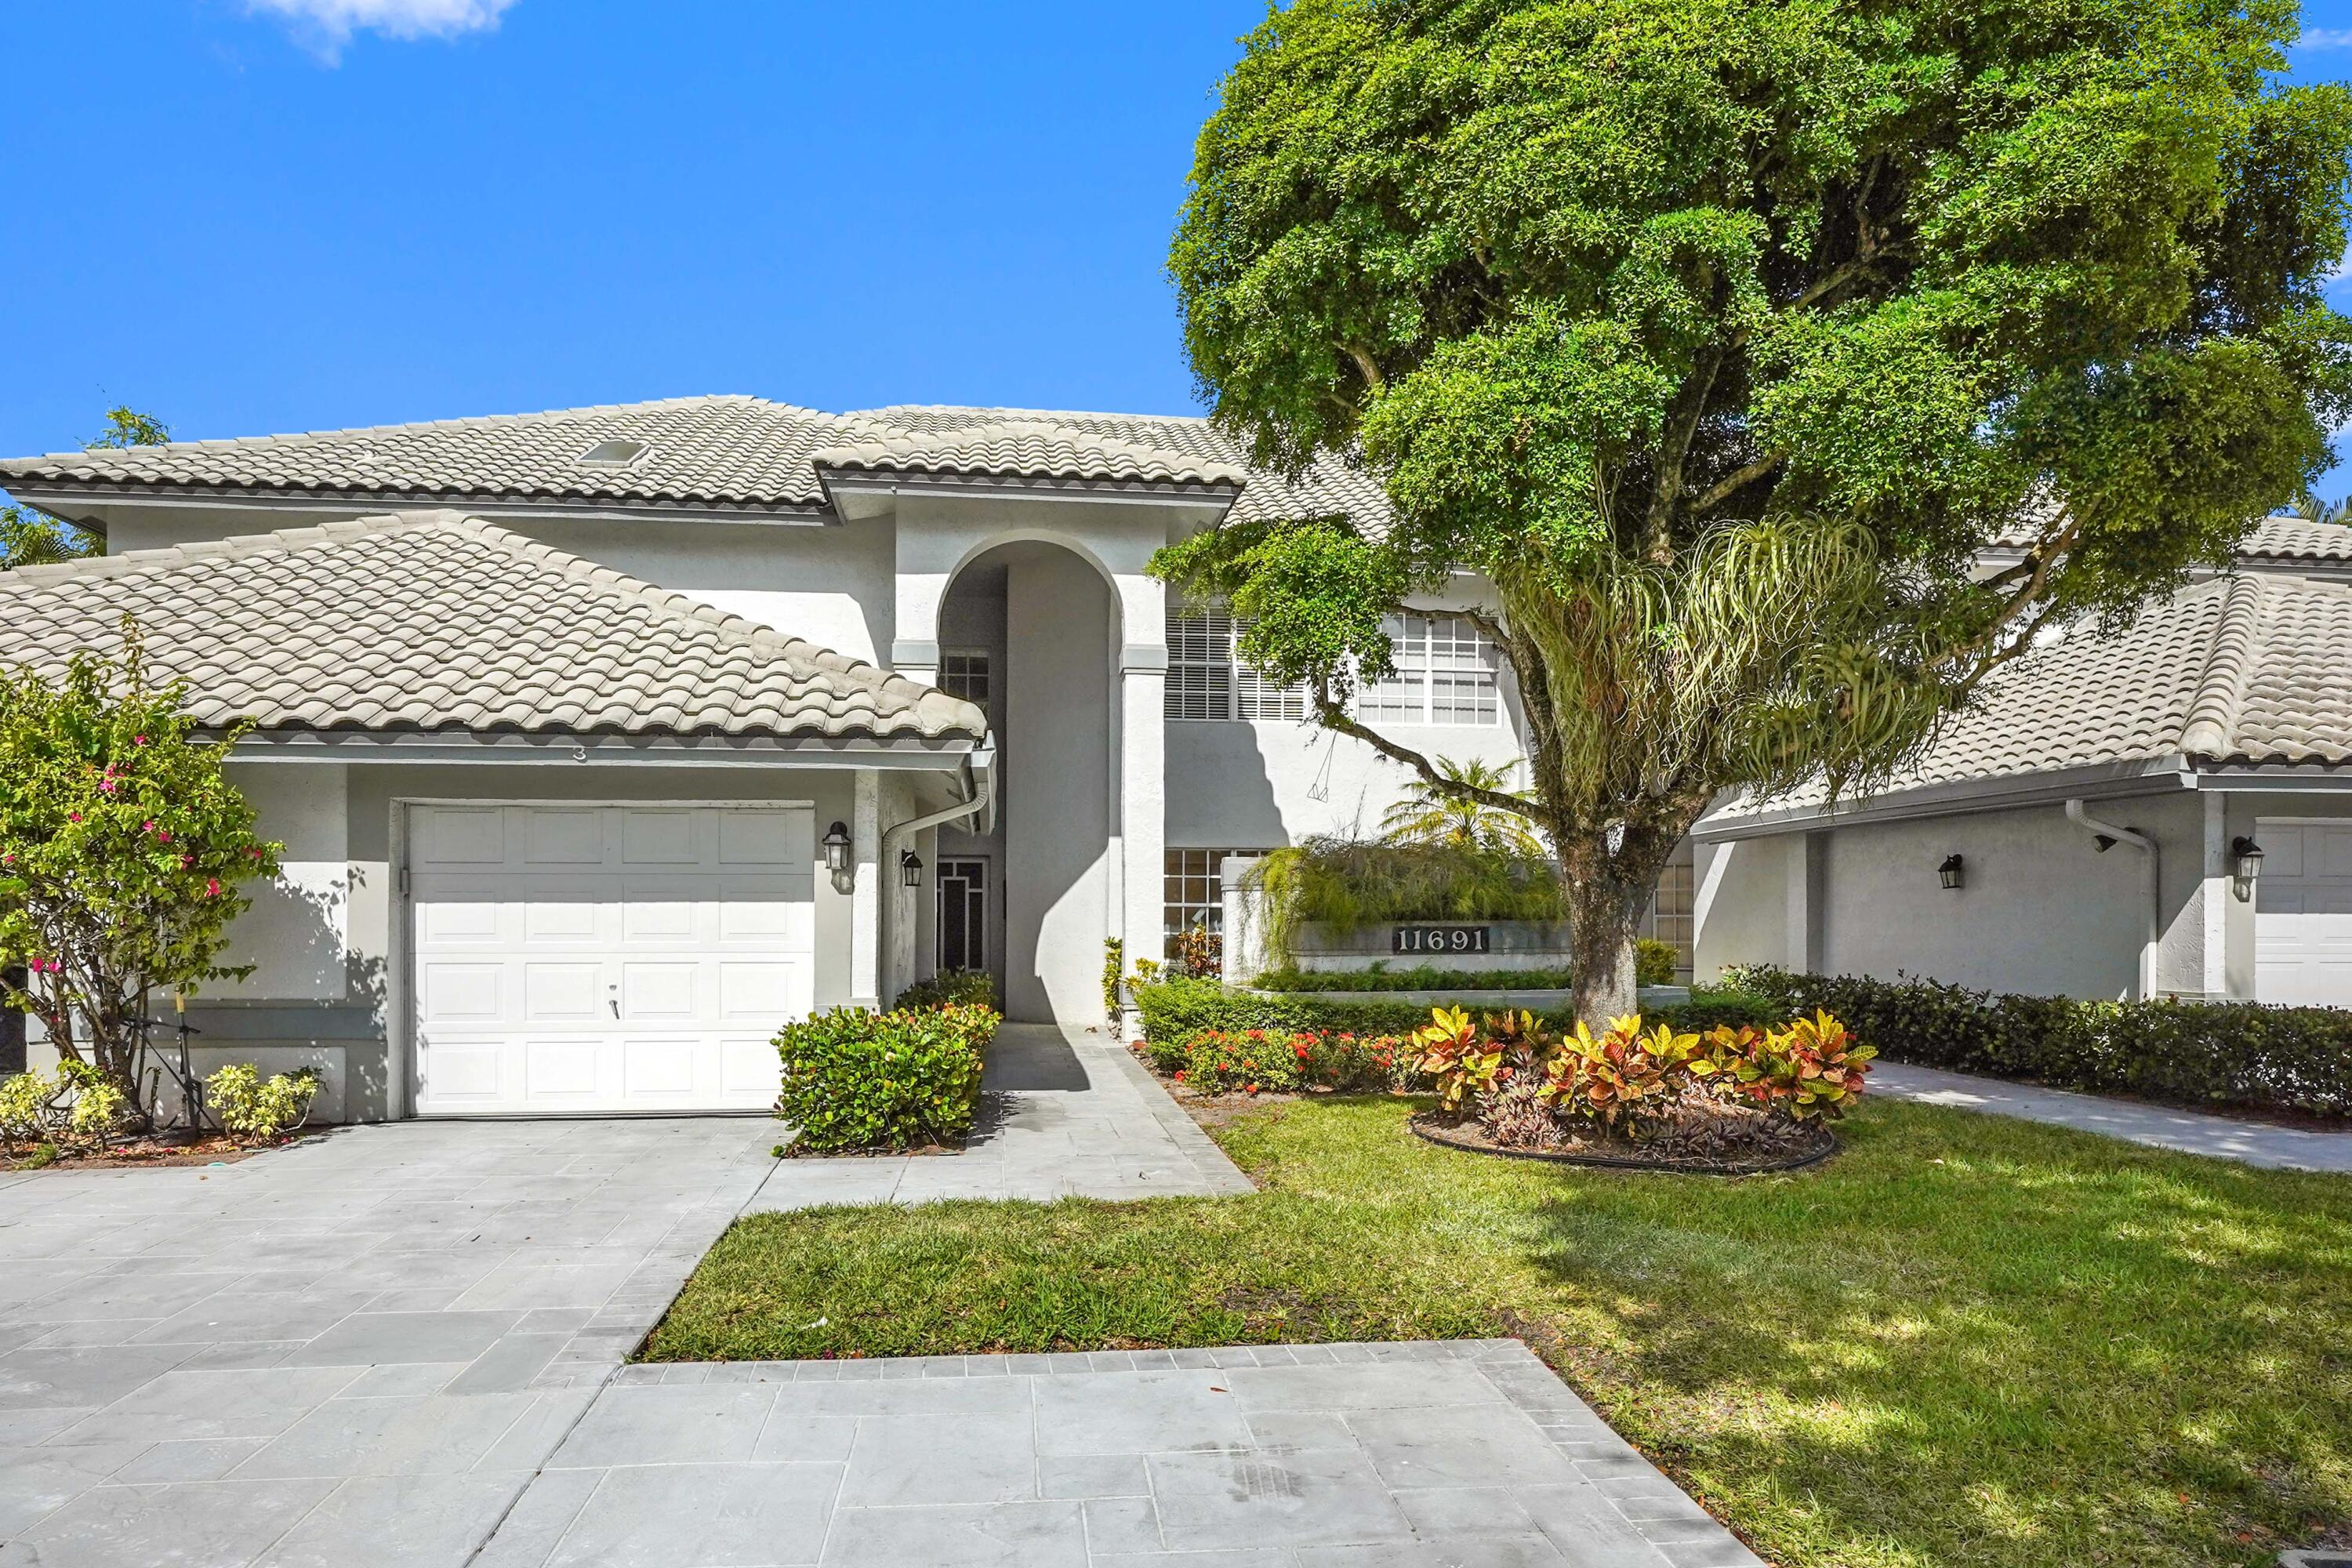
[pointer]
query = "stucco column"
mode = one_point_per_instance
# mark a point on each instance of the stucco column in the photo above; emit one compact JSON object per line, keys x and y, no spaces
{"x":866,"y":899}
{"x":1143,"y":794}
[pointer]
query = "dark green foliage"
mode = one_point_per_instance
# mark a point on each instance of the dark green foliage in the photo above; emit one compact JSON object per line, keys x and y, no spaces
{"x":1724,"y":337}
{"x":1173,"y":1011}
{"x":2233,"y":1052}
{"x":1422,"y":979}
{"x":855,"y":1079}
{"x":951,"y":988}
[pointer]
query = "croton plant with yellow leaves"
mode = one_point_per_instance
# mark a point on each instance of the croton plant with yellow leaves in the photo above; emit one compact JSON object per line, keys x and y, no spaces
{"x":1810,"y":1069}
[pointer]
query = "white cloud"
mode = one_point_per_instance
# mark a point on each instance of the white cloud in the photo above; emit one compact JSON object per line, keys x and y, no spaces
{"x":2325,"y":39}
{"x":329,"y":24}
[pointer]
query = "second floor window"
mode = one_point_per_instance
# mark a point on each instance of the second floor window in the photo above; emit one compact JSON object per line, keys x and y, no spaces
{"x":1446,"y":674}
{"x":1206,"y":680}
{"x":964,"y":673}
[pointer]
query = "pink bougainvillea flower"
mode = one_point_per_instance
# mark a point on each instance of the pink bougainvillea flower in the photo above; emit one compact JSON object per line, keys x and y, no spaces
{"x":138,"y":739}
{"x":163,"y":836}
{"x":212,"y":887}
{"x":73,"y":817}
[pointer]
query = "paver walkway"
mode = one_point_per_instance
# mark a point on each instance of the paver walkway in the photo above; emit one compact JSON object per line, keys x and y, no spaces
{"x":2251,"y":1142}
{"x":1462,"y":1454}
{"x":1068,"y":1113}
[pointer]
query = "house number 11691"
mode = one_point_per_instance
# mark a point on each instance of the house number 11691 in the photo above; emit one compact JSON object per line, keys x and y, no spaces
{"x":1439,"y":939}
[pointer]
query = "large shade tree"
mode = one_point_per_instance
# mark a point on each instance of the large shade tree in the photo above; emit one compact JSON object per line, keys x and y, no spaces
{"x":1726,"y":336}
{"x":31,"y":537}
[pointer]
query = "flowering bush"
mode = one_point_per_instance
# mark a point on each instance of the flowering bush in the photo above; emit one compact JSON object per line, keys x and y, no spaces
{"x":122,"y":846}
{"x":251,"y":1109}
{"x":1258,"y":1061}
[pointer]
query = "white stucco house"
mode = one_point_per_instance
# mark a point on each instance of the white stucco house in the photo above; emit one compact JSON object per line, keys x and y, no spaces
{"x":2168,"y":813}
{"x":556,"y":713}
{"x":602,"y":740}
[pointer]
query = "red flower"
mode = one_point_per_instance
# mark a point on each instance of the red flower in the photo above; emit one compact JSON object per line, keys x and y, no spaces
{"x":138,"y":739}
{"x":73,"y":817}
{"x":212,"y":887}
{"x":1249,"y":1088}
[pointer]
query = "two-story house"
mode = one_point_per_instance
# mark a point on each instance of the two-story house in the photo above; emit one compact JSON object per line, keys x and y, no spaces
{"x":600,"y":741}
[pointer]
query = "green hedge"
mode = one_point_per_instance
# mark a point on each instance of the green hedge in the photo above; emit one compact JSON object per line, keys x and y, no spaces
{"x":1175,"y":1010}
{"x":2237,"y":1053}
{"x":1423,"y":978}
{"x":856,"y":1078}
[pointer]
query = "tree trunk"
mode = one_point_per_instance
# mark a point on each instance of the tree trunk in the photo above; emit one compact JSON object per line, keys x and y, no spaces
{"x":1601,"y":940}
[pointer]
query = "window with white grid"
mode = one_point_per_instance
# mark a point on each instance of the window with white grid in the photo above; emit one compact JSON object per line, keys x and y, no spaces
{"x":1673,"y":914}
{"x":1206,"y":680}
{"x":1195,"y":889}
{"x":1446,"y":674}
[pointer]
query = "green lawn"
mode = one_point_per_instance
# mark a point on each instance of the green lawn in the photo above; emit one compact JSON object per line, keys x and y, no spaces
{"x":1965,"y":1341}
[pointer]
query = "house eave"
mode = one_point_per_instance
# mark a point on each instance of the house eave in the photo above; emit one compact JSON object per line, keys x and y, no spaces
{"x":62,"y":499}
{"x":2001,"y":793}
{"x":933,"y":753}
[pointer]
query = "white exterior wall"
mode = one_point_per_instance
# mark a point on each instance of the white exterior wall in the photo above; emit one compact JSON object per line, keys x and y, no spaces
{"x":2042,"y":912}
{"x":1058,"y":784}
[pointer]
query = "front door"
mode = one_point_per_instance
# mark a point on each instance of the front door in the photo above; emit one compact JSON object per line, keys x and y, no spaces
{"x":963,"y":915}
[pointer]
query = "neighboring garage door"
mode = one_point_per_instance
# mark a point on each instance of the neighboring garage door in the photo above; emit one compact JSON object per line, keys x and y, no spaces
{"x":575,"y":959}
{"x":2302,"y":913}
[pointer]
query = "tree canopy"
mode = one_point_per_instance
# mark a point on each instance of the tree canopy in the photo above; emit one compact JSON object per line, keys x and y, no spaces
{"x":1727,"y":338}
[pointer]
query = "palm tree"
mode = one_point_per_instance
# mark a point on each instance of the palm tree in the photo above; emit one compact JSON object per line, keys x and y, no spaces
{"x":1429,"y":815}
{"x":2311,"y":508}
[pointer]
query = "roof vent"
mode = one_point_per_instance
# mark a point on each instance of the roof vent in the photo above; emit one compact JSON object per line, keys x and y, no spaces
{"x":613,"y":453}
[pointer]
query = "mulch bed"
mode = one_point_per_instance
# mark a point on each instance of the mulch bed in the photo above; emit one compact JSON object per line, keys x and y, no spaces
{"x":159,"y":1149}
{"x":1788,"y":1148}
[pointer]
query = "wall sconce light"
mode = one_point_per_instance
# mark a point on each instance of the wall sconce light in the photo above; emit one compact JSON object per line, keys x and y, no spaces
{"x":910,"y":869}
{"x":2246,"y":867}
{"x":836,"y":857}
{"x":1951,"y":873}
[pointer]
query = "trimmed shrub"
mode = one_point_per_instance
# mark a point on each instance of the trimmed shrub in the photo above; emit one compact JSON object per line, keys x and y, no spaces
{"x":1422,"y":978}
{"x":75,"y":1107}
{"x":2239,"y":1053}
{"x":253,"y":1111}
{"x":1655,"y":961}
{"x":1174,"y":1010}
{"x":950,"y":988}
{"x":856,"y":1078}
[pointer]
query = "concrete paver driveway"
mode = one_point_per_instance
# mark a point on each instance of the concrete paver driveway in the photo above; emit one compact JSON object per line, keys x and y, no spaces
{"x":356,"y":1351}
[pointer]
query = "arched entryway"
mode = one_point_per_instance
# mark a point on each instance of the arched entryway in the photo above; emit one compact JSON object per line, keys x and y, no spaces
{"x":1031,"y":629}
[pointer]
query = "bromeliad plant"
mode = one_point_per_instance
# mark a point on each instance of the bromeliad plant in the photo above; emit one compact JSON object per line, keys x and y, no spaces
{"x":123,"y":847}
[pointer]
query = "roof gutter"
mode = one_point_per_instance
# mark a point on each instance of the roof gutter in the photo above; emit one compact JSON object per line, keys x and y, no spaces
{"x":980,"y":804}
{"x":2108,"y":835}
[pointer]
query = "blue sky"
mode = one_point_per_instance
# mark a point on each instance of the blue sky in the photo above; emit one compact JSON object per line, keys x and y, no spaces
{"x":253,"y":215}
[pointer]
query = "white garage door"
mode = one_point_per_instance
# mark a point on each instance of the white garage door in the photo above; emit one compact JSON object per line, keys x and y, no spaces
{"x":2302,"y":913}
{"x":573,"y":959}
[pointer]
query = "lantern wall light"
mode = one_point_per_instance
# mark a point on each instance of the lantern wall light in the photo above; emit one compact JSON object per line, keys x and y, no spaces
{"x":2245,"y":867}
{"x":836,"y":857}
{"x":910,"y":869}
{"x":1953,"y":872}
